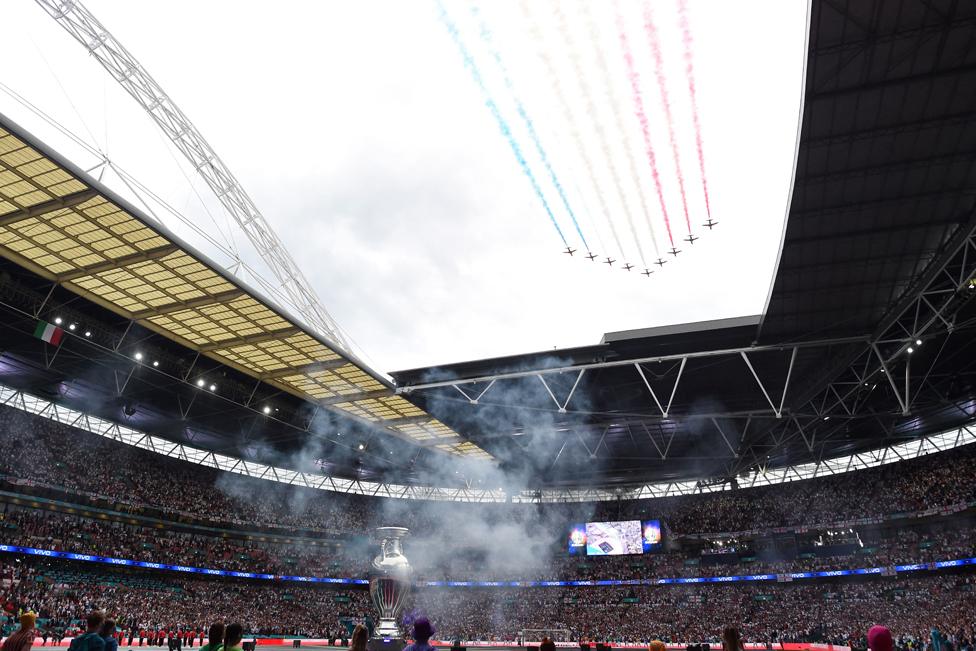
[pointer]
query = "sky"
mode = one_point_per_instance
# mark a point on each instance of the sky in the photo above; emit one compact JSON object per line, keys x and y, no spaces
{"x":380,"y":161}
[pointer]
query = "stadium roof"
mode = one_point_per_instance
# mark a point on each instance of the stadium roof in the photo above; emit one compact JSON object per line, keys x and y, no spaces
{"x":64,"y":226}
{"x":878,"y":253}
{"x":885,"y":162}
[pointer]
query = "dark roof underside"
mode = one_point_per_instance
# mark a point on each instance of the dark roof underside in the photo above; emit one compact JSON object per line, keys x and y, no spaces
{"x":886,"y":162}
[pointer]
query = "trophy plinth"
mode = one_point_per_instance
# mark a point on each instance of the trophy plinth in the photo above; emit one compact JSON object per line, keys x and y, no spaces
{"x":389,"y":585}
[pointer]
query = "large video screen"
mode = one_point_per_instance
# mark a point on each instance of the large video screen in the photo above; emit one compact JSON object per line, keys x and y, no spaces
{"x":615,"y":538}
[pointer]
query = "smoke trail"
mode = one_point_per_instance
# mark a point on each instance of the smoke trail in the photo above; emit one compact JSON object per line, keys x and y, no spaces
{"x":496,"y":113}
{"x":600,"y":133}
{"x":690,"y":74}
{"x":486,"y":36}
{"x":642,"y":117}
{"x":589,"y":213}
{"x":619,"y":123}
{"x":559,"y":92}
{"x":662,"y":86}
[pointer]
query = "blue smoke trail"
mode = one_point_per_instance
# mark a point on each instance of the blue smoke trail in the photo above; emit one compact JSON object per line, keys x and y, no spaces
{"x":487,"y":38}
{"x":493,"y":107}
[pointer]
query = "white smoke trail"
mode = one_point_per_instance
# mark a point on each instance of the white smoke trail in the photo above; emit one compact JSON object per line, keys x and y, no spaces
{"x":536,"y":36}
{"x":569,"y":118}
{"x":601,"y":134}
{"x":601,"y":60}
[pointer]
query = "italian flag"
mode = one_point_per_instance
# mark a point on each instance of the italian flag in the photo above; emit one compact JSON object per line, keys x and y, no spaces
{"x":50,"y":333}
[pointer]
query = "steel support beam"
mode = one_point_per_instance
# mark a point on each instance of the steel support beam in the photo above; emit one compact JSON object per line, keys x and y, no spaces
{"x":735,"y":453}
{"x":125,"y":261}
{"x":252,"y":339}
{"x":474,"y":400}
{"x":927,"y":307}
{"x":410,"y":388}
{"x":674,"y":389}
{"x":125,"y":435}
{"x":54,"y":205}
{"x":560,"y":406}
{"x":307,"y":368}
{"x":191,"y":304}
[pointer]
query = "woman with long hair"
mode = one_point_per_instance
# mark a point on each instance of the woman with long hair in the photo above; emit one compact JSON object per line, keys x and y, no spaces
{"x":359,"y":638}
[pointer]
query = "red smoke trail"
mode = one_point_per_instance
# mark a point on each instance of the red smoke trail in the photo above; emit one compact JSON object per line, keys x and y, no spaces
{"x":662,"y":85}
{"x":642,"y":118}
{"x":690,"y":74}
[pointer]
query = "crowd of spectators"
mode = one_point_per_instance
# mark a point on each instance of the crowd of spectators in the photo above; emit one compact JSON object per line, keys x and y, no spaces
{"x":921,"y":484}
{"x":834,"y":612}
{"x":67,"y":532}
{"x":44,"y":455}
{"x":61,"y":595}
{"x":72,"y":533}
{"x":837,"y":613}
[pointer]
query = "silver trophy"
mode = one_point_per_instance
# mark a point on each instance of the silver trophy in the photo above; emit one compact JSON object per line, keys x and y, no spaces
{"x":389,"y":581}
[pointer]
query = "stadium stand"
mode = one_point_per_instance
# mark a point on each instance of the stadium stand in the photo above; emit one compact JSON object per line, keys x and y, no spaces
{"x":62,"y":595}
{"x":867,"y":547}
{"x":48,"y":458}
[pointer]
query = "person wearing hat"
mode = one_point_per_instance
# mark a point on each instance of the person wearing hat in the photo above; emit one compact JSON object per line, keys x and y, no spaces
{"x":422,"y":632}
{"x":23,"y":638}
